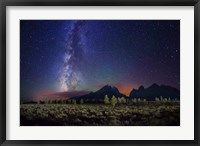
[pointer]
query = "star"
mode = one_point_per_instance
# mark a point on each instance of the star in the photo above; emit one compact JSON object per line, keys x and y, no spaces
{"x":65,"y":55}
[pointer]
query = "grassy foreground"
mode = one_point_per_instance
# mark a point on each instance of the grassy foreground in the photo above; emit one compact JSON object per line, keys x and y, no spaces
{"x":142,"y":114}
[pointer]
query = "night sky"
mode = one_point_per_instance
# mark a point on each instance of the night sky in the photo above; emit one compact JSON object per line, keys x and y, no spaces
{"x":79,"y":55}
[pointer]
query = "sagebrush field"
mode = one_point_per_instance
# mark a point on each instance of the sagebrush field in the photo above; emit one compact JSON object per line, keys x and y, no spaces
{"x":154,"y":113}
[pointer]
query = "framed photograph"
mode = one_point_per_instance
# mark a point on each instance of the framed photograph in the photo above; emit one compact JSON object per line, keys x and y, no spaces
{"x":99,"y":72}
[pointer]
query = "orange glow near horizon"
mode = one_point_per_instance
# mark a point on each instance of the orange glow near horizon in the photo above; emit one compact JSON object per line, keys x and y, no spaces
{"x":125,"y":89}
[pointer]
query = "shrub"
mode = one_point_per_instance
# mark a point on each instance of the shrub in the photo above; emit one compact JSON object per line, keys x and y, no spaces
{"x":113,"y":101}
{"x":46,"y":101}
{"x":123,"y":100}
{"x":135,"y":100}
{"x":49,"y":101}
{"x":106,"y":100}
{"x":161,"y":98}
{"x":165,"y":99}
{"x":64,"y":101}
{"x":81,"y":101}
{"x":119,"y":100}
{"x":157,"y":99}
{"x":73,"y":101}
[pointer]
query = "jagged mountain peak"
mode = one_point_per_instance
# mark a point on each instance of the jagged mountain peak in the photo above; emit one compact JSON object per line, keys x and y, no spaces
{"x":141,"y":88}
{"x":154,"y":85}
{"x":108,"y":88}
{"x":105,"y":90}
{"x":155,"y":91}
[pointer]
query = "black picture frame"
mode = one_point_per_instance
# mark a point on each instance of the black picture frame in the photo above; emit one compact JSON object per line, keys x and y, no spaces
{"x":5,"y":3}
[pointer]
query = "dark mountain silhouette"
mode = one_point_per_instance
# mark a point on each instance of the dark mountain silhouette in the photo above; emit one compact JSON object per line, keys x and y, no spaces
{"x":100,"y":94}
{"x":155,"y":91}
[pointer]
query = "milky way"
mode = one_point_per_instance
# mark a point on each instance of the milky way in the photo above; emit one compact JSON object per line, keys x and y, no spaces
{"x":70,"y":74}
{"x":77,"y":55}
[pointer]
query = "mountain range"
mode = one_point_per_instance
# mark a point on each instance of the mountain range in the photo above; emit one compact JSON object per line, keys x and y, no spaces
{"x":149,"y":93}
{"x":100,"y":94}
{"x":155,"y":91}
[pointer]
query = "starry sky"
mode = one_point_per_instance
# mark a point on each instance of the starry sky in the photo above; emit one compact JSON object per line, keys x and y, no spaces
{"x":85,"y":55}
